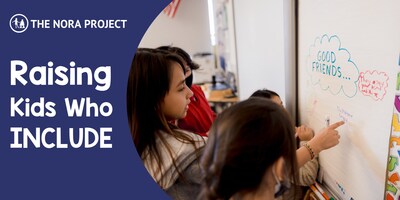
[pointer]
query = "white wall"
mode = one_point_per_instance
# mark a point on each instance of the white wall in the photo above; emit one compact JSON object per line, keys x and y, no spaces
{"x":265,"y":42}
{"x":261,"y":42}
{"x":189,"y":29}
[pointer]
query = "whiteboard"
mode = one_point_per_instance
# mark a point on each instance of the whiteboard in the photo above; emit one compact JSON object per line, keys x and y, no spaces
{"x":348,"y":54}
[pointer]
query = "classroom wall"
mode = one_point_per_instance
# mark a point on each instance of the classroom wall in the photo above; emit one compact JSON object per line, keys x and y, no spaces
{"x":265,"y":48}
{"x":189,"y":29}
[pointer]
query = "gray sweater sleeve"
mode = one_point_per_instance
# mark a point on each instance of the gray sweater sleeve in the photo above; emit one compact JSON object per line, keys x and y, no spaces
{"x":188,"y":188}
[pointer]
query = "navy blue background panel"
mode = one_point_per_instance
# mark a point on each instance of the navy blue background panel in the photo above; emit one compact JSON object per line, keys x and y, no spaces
{"x":71,"y":173}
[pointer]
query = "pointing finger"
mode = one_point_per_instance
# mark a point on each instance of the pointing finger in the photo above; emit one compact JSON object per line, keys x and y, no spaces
{"x":336,"y":125}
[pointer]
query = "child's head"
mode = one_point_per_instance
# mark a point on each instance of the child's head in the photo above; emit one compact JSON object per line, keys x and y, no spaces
{"x":188,"y":62}
{"x":269,"y":94}
{"x":245,"y":143}
{"x":156,"y":93}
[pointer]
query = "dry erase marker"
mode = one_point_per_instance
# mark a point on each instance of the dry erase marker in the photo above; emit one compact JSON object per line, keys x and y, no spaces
{"x":327,"y":121}
{"x":322,"y":191}
{"x":316,"y":192}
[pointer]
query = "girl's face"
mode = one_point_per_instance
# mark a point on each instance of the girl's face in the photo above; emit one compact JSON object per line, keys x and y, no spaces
{"x":176,"y":101}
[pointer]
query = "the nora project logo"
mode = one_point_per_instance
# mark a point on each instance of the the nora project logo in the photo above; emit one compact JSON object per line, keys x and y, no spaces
{"x":19,"y":23}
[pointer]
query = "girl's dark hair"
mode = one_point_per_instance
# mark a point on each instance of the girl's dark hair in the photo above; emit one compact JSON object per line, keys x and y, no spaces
{"x":149,"y":82}
{"x":186,"y":57}
{"x":244,"y":141}
{"x":182,"y":53}
{"x":264,"y":93}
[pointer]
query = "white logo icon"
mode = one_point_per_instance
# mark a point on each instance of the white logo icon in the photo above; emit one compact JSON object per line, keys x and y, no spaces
{"x":19,"y":23}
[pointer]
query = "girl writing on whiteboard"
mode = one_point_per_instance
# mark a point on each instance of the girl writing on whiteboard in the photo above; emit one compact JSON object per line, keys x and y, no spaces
{"x":309,"y":171}
{"x":251,"y":152}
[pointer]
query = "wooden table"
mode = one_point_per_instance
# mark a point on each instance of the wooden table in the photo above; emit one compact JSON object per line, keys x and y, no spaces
{"x":219,"y":99}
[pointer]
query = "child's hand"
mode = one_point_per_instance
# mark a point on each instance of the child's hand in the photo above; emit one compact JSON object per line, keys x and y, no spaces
{"x":304,"y":133}
{"x":327,"y":138}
